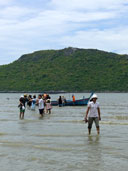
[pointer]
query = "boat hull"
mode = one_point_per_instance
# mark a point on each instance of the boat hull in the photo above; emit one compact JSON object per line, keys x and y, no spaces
{"x":80,"y":102}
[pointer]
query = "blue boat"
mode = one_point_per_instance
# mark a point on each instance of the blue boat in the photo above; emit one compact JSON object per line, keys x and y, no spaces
{"x":79,"y":102}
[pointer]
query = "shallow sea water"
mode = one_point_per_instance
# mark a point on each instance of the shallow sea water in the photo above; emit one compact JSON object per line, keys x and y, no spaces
{"x":60,"y":141}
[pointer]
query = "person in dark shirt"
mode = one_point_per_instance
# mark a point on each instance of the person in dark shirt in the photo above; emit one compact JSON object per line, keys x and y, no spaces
{"x":60,"y":101}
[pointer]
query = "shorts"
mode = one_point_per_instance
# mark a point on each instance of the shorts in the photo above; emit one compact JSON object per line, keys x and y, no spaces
{"x":22,"y":110}
{"x":90,"y":122}
{"x":41,"y":111}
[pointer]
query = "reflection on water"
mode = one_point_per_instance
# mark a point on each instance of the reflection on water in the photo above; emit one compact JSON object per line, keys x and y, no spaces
{"x":93,"y":139}
{"x":60,"y":141}
{"x":95,"y":160}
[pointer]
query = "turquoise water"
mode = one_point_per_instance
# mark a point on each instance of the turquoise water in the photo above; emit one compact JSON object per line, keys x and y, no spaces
{"x":60,"y":141}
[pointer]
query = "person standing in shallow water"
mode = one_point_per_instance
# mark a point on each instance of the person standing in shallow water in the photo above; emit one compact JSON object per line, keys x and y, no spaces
{"x":48,"y":105}
{"x":40,"y":103}
{"x":60,"y":101}
{"x":93,"y":114}
{"x":33,"y":106}
{"x":22,"y":107}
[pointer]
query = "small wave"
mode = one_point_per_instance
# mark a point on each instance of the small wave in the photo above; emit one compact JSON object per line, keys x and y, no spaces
{"x":5,"y":120}
{"x":2,"y":134}
{"x":28,"y":121}
{"x":102,"y":122}
{"x":3,"y":155}
{"x":69,"y":121}
{"x":121,"y":117}
{"x":11,"y":144}
{"x":117,"y":117}
{"x":58,"y":135}
{"x":113,"y":123}
{"x":52,"y":148}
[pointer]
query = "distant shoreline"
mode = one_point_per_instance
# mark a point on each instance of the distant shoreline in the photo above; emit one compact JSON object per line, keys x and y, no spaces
{"x":64,"y":92}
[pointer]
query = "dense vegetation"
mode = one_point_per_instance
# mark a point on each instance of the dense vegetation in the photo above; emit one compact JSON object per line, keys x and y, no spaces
{"x":69,"y":69}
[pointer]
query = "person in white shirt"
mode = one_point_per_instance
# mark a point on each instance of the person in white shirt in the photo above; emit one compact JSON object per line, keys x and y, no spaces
{"x":93,"y":114}
{"x":41,"y":105}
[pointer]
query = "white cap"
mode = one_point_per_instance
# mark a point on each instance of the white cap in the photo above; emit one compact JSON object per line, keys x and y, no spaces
{"x":21,"y":96}
{"x":94,"y":96}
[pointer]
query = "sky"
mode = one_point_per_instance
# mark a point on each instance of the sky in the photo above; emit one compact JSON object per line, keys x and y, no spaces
{"x":31,"y":25}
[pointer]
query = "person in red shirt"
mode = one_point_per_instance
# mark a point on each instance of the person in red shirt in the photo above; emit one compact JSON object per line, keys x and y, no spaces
{"x":73,"y":98}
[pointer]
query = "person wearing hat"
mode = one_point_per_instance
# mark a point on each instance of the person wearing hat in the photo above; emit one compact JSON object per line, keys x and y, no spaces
{"x":93,"y":114}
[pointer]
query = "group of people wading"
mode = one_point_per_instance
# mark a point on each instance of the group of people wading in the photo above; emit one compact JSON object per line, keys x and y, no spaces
{"x":43,"y":102}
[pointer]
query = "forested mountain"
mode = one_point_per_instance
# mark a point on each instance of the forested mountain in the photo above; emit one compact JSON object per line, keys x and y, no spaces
{"x":69,"y":69}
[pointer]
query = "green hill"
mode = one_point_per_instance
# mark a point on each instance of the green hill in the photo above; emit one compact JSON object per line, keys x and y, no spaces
{"x":69,"y":69}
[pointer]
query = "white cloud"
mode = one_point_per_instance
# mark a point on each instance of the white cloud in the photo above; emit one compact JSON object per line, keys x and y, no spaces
{"x":14,"y":12}
{"x":88,"y":4}
{"x":5,"y":2}
{"x":79,"y":23}
{"x":109,"y":40}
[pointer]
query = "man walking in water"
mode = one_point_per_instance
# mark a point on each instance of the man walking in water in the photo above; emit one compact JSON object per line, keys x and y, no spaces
{"x":41,"y":105}
{"x":93,"y":114}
